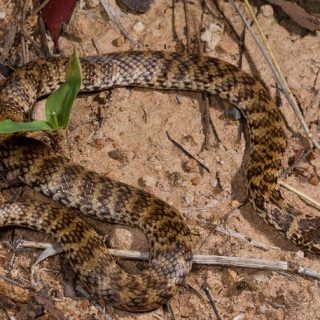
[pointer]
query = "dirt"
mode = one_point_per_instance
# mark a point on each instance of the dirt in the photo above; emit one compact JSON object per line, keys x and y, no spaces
{"x":131,"y":145}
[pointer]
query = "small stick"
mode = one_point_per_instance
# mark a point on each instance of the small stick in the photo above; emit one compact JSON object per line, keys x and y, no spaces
{"x":180,"y":147}
{"x":240,"y":236}
{"x":173,"y":23}
{"x":212,"y":302}
{"x":242,"y":262}
{"x":207,"y":122}
{"x":186,"y":17}
{"x":300,"y":194}
{"x":43,"y":37}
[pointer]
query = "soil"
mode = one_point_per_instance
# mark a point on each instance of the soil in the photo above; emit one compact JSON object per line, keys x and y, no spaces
{"x":122,"y":133}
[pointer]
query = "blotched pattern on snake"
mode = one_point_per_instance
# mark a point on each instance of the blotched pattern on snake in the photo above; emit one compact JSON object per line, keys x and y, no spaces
{"x":75,"y":187}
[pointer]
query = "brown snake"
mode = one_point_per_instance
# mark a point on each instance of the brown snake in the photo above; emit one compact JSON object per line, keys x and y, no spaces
{"x":100,"y":197}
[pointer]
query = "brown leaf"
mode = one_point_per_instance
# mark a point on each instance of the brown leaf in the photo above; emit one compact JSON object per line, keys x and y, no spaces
{"x":298,"y":14}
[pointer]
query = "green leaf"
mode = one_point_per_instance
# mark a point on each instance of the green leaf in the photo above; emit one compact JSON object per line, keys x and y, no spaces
{"x":60,"y":102}
{"x":9,"y":126}
{"x":58,"y":105}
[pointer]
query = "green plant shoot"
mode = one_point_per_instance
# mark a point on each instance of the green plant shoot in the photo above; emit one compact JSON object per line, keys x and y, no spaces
{"x":58,"y":105}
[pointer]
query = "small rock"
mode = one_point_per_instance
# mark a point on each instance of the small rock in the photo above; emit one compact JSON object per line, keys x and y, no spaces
{"x":99,"y":143}
{"x":188,"y":198}
{"x":92,"y":3}
{"x":118,"y":155}
{"x":232,"y":275}
{"x":138,"y":27}
{"x":119,"y":42}
{"x":266,"y":10}
{"x":177,"y":179}
{"x":260,"y":277}
{"x":232,"y":114}
{"x":299,"y":254}
{"x":195,"y":181}
{"x":2,"y":14}
{"x":212,"y":36}
{"x":147,"y":181}
{"x":262,"y":309}
{"x":312,"y":156}
{"x":234,"y":204}
{"x":214,"y":183}
{"x":314,"y":180}
{"x":135,"y":6}
{"x":190,"y":165}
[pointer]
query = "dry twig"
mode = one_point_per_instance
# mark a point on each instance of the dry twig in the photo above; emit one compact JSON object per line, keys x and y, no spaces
{"x":179,"y":146}
{"x":242,"y":262}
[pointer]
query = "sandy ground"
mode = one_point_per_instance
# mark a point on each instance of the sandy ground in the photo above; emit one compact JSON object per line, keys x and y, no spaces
{"x":132,"y":146}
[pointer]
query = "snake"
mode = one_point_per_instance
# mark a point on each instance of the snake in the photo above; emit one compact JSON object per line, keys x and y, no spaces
{"x":77,"y":189}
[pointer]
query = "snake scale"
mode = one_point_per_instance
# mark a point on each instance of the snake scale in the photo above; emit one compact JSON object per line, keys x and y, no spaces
{"x":34,"y":164}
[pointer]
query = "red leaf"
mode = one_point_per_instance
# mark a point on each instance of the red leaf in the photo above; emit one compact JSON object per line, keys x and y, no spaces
{"x":55,"y":14}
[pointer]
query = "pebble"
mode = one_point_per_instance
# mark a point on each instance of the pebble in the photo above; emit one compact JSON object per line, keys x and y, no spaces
{"x":312,"y":155}
{"x":138,"y":27}
{"x":232,"y":276}
{"x":234,"y":204}
{"x":266,"y":11}
{"x":147,"y":181}
{"x":262,"y":309}
{"x":177,"y":179}
{"x":99,"y":143}
{"x":136,"y":6}
{"x":2,"y":14}
{"x":260,"y":277}
{"x":92,"y":3}
{"x":188,"y":198}
{"x":195,"y":181}
{"x":314,"y":180}
{"x":299,"y":254}
{"x":118,"y":155}
{"x":214,"y":183}
{"x":212,"y":36}
{"x":190,"y":165}
{"x":119,"y":42}
{"x":158,"y":167}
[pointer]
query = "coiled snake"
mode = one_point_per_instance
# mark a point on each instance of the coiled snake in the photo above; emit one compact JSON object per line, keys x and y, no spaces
{"x":100,"y":197}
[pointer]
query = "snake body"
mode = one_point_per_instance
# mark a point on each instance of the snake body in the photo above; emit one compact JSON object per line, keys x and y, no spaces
{"x":75,"y":187}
